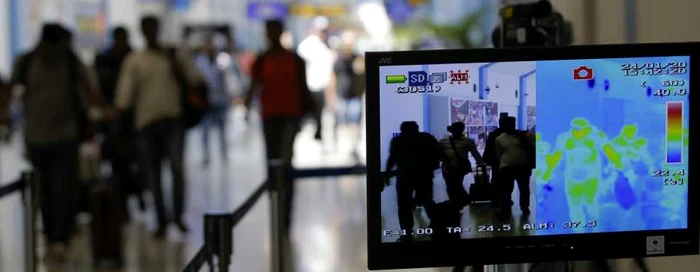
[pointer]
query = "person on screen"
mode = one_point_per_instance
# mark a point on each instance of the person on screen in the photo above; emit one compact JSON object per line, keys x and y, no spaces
{"x":415,"y":155}
{"x":514,"y":165}
{"x":490,"y":160}
{"x":457,"y":148}
{"x":581,"y":153}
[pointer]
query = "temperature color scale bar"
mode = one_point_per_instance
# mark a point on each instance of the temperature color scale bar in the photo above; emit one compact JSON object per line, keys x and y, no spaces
{"x":674,"y":132}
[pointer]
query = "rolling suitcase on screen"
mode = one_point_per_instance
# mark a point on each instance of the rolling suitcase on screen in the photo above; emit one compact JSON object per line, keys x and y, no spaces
{"x":106,"y":224}
{"x":480,"y":190}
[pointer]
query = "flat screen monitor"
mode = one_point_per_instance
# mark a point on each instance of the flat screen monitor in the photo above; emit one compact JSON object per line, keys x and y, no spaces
{"x":526,"y":155}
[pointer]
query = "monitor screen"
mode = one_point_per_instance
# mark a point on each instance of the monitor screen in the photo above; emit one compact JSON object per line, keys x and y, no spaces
{"x":557,"y":148}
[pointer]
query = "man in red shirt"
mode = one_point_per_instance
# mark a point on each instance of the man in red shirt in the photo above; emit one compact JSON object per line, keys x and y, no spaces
{"x":280,"y":77}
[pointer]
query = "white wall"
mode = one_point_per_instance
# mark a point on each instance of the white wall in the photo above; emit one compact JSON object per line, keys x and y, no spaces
{"x":656,"y":21}
{"x":668,"y":20}
{"x":125,"y":13}
{"x":5,"y":43}
{"x":531,"y":83}
{"x":502,"y":88}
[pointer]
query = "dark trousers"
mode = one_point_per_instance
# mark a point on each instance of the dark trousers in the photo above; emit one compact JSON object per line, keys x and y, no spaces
{"x":511,"y":175}
{"x":497,"y":184}
{"x":164,"y":140}
{"x":320,"y":102}
{"x":406,"y":185}
{"x":122,"y":145}
{"x":455,"y":190}
{"x":215,"y":118}
{"x":57,"y":166}
{"x":280,"y":133}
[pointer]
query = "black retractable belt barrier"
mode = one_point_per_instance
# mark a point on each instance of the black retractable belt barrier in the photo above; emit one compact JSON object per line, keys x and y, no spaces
{"x":11,"y":188}
{"x":218,"y":237}
{"x":330,"y":172}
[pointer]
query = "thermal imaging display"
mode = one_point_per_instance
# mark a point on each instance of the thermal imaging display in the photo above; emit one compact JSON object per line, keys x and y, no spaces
{"x":478,"y":150}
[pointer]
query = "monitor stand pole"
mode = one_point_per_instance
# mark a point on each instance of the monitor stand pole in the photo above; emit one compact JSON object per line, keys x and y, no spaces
{"x":475,"y":268}
{"x":548,"y":267}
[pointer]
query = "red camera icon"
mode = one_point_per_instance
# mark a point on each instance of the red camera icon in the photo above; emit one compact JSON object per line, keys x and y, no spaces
{"x":583,"y":73}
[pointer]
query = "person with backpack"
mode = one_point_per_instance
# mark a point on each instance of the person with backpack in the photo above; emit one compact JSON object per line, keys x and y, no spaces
{"x":279,"y":77}
{"x":416,"y":155}
{"x":457,"y":148}
{"x":56,"y":97}
{"x":350,"y":87}
{"x":165,"y":91}
{"x":514,"y":150}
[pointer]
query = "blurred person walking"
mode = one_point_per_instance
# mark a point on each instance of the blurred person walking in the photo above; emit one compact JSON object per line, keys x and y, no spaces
{"x":157,"y":82}
{"x":320,"y":60}
{"x":350,"y":87}
{"x":56,"y":98}
{"x":457,"y":148}
{"x":220,"y":98}
{"x":512,"y":149}
{"x":119,"y":144}
{"x":415,"y":155}
{"x":279,"y":75}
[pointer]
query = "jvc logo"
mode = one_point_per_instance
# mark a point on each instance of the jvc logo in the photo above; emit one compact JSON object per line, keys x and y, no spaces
{"x":385,"y":61}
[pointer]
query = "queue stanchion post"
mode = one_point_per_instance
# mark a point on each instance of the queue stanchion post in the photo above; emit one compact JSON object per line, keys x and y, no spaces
{"x":225,"y":241}
{"x":30,"y":207}
{"x":218,"y":240}
{"x":277,"y":210}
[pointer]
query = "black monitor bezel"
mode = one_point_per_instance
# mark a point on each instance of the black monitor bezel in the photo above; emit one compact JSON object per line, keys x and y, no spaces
{"x":514,"y":249}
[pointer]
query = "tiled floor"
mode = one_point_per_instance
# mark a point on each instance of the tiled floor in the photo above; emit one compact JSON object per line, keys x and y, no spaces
{"x":329,"y":232}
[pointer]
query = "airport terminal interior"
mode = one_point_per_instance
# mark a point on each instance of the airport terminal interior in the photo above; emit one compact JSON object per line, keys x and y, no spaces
{"x":329,"y":215}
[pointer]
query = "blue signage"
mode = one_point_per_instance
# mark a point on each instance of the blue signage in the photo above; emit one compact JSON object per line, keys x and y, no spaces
{"x":267,"y":11}
{"x":181,"y":5}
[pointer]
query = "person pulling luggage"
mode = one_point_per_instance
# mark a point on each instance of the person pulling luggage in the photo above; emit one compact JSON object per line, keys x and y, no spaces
{"x":457,"y":148}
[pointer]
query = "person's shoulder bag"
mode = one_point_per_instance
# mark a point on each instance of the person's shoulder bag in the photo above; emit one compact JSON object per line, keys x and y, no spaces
{"x":463,"y":164}
{"x":195,"y":102}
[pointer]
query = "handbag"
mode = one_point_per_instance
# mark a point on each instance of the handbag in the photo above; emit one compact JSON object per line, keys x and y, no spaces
{"x":195,"y":103}
{"x":463,"y":165}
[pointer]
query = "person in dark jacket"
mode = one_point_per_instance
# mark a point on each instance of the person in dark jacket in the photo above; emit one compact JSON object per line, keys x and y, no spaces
{"x":416,"y":156}
{"x":55,"y":81}
{"x":119,"y":136}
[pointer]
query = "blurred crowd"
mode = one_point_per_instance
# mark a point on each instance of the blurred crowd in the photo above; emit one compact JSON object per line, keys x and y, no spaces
{"x":131,"y":110}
